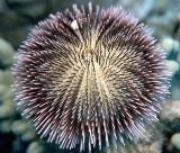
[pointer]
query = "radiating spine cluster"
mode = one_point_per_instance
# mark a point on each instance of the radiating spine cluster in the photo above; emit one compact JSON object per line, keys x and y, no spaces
{"x":90,"y":76}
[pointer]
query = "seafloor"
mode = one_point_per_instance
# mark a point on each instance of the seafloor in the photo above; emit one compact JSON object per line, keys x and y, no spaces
{"x":17,"y":17}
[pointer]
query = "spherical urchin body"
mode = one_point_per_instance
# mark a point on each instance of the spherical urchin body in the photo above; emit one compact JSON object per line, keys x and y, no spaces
{"x":90,"y":76}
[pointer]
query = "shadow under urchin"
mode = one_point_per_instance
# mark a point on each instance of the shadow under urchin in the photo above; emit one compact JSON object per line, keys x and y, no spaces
{"x":90,"y":77}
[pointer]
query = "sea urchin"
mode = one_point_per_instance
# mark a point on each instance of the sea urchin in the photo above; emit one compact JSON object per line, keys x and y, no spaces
{"x":90,"y":76}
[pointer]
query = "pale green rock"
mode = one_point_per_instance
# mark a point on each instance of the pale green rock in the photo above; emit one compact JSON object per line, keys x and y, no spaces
{"x":7,"y":107}
{"x":5,"y":126}
{"x":175,"y":93}
{"x":7,"y":110}
{"x":19,"y":127}
{"x":29,"y":135}
{"x":172,"y":66}
{"x":169,"y":44}
{"x":175,"y":140}
{"x":171,"y":111}
{"x":24,"y":130}
{"x":6,"y":53}
{"x":6,"y":77}
{"x":35,"y":147}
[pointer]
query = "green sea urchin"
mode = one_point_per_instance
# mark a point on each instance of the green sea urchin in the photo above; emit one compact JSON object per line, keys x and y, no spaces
{"x":90,"y":77}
